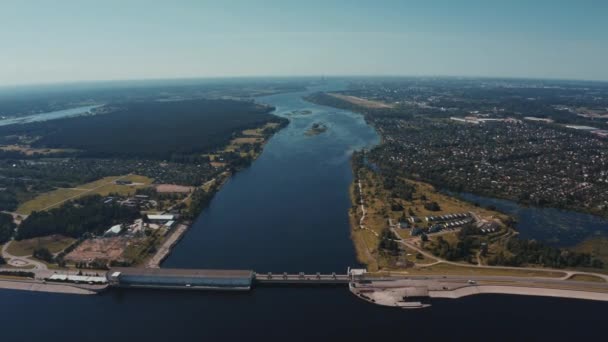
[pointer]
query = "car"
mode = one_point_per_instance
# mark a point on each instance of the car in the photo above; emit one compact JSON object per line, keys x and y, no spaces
{"x":472,"y":282}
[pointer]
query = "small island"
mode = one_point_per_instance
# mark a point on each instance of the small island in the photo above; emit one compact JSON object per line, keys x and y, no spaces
{"x":316,"y":128}
{"x":299,"y":112}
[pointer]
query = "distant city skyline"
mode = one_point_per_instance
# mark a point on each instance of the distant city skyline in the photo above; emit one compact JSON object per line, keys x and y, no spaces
{"x":70,"y":41}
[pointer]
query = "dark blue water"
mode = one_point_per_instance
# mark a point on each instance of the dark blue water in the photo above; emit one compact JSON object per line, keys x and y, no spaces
{"x":556,"y":227}
{"x":287,"y":212}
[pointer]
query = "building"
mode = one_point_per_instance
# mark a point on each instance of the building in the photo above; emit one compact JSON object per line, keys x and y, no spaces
{"x":115,"y":230}
{"x":181,"y":278}
{"x":161,"y":219}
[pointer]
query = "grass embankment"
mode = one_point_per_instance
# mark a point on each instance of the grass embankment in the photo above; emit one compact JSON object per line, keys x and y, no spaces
{"x":450,"y":269}
{"x":378,"y":210}
{"x":586,"y":277}
{"x":103,"y":187}
{"x":54,"y":243}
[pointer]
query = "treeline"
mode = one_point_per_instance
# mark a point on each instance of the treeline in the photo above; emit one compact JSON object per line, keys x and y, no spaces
{"x":200,"y":200}
{"x":150,"y":130}
{"x":76,"y":218}
{"x":7,"y":227}
{"x":518,"y":252}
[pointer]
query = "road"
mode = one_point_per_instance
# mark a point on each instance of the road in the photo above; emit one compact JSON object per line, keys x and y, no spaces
{"x":394,"y":291}
{"x":568,"y":273}
{"x":20,"y":261}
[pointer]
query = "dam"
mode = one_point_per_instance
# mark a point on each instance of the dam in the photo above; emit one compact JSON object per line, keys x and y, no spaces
{"x":221,"y":280}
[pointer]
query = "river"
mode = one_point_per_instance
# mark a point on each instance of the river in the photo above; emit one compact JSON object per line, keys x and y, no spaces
{"x":287,"y":212}
{"x":64,"y":113}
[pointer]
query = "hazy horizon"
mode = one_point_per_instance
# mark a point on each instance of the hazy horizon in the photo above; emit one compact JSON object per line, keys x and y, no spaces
{"x":75,"y":41}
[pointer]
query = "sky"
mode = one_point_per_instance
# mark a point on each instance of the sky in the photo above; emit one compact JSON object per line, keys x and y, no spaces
{"x":65,"y":40}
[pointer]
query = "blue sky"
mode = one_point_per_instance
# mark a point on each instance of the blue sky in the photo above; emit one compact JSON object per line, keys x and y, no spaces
{"x":56,"y":41}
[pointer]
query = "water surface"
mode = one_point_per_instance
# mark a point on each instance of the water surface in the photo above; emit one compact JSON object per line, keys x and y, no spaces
{"x":287,"y":212}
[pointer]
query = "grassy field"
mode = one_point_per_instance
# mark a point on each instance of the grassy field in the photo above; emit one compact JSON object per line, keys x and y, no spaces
{"x":378,"y":211}
{"x":103,"y":187}
{"x":584,"y":277}
{"x":598,"y":247}
{"x":54,"y":243}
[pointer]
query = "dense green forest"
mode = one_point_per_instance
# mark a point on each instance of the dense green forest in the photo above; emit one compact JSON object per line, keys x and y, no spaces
{"x":7,"y":227}
{"x":84,"y":215}
{"x":149,"y":130}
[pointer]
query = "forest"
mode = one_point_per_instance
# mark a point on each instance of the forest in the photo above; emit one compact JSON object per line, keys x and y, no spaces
{"x":76,"y":218}
{"x":7,"y":227}
{"x":149,"y":130}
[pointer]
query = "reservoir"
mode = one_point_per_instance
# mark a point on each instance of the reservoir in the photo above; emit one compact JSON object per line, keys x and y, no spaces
{"x":286,"y":213}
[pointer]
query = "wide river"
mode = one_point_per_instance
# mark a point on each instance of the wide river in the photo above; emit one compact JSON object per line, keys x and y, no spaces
{"x":287,"y":212}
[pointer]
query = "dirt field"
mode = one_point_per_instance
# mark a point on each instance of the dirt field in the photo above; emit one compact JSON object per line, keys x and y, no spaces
{"x":109,"y":249}
{"x":361,"y":102}
{"x":27,"y":150}
{"x":173,"y":188}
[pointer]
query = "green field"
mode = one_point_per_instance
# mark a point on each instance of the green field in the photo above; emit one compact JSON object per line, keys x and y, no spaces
{"x":103,"y":187}
{"x":54,"y":243}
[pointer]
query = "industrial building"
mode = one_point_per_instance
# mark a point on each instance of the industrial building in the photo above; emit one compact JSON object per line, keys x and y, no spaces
{"x":181,"y":278}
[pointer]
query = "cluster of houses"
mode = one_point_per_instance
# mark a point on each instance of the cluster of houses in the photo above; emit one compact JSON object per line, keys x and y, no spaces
{"x":488,"y":227}
{"x":437,"y":223}
{"x":138,"y":201}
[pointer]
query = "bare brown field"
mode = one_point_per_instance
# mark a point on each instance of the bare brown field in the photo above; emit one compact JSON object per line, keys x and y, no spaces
{"x":109,"y":249}
{"x":173,"y":188}
{"x":27,"y":150}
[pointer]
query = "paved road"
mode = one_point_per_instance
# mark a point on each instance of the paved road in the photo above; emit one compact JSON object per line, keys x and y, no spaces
{"x":20,"y":261}
{"x":567,"y":273}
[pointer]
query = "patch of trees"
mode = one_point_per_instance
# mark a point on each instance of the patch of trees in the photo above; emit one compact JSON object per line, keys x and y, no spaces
{"x":7,"y":227}
{"x":8,"y":200}
{"x":200,"y":200}
{"x":388,"y":242}
{"x":461,"y":251}
{"x":76,"y":218}
{"x":531,"y":252}
{"x":398,"y":187}
{"x":150,"y":130}
{"x":432,"y":206}
{"x":43,"y":254}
